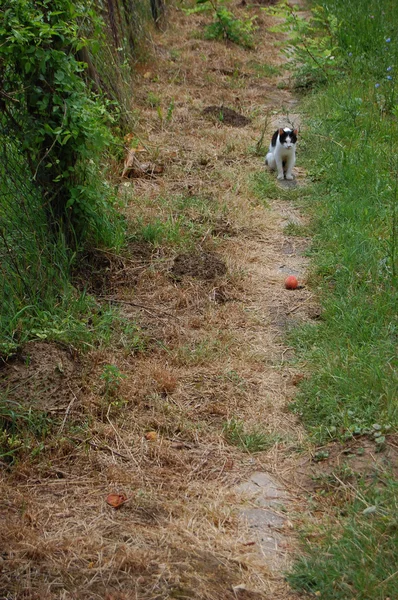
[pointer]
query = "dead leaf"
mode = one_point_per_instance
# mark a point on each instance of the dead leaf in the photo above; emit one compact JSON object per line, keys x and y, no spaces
{"x":116,"y":500}
{"x":151,"y":436}
{"x":297,"y":378}
{"x":249,"y":544}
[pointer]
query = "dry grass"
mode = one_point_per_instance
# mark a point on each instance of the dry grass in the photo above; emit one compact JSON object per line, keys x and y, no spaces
{"x":214,"y":353}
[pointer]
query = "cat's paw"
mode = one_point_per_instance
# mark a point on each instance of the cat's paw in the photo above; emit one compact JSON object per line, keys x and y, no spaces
{"x":289,"y":177}
{"x":280,"y":177}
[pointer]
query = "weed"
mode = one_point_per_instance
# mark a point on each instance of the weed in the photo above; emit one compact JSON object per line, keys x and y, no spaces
{"x":112,"y":378}
{"x":311,"y":44}
{"x":153,"y":100}
{"x":21,"y":429}
{"x":170,"y":110}
{"x":253,"y":441}
{"x":225,"y":25}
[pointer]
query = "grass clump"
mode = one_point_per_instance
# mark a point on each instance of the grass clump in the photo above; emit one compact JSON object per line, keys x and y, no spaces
{"x":180,"y":221}
{"x":264,"y":69}
{"x":250,"y":441}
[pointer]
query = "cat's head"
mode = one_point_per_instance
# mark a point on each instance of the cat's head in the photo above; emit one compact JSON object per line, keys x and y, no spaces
{"x":288,"y":137}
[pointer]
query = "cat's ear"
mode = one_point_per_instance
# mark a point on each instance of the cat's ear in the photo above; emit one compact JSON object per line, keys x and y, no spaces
{"x":295,"y":131}
{"x":281,"y":131}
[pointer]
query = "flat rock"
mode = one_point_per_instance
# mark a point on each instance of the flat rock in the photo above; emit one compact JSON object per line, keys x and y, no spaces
{"x":261,"y":518}
{"x":264,"y":490}
{"x":264,"y":522}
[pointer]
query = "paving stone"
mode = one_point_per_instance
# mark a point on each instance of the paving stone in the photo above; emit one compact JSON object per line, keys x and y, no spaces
{"x":260,"y":518}
{"x":263,"y":489}
{"x":265,"y":524}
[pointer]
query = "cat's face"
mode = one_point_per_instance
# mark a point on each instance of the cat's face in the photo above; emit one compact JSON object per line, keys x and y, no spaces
{"x":288,"y":137}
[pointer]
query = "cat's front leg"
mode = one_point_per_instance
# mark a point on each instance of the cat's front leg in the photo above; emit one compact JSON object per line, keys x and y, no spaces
{"x":289,"y":168}
{"x":279,"y":166}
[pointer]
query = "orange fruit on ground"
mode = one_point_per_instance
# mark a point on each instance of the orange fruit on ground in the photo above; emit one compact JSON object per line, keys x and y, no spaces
{"x":116,"y":500}
{"x":291,"y":282}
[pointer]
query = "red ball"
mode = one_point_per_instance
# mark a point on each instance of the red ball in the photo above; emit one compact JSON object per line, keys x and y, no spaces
{"x":291,"y":282}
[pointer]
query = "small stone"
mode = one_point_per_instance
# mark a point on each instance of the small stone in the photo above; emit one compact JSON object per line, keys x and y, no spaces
{"x":369,"y":510}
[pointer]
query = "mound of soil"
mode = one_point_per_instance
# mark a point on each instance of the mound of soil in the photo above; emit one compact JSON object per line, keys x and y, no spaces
{"x":204,"y":265}
{"x":100,"y":272}
{"x":226,"y":116}
{"x":40,"y":376}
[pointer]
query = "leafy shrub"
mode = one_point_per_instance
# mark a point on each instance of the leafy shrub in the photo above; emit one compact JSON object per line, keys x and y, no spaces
{"x":53,"y":120}
{"x":53,"y":197}
{"x":225,"y":25}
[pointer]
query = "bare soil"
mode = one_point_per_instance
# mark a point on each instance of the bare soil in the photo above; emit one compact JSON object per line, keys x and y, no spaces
{"x":213,"y":320}
{"x":204,"y":265}
{"x":227,"y":116}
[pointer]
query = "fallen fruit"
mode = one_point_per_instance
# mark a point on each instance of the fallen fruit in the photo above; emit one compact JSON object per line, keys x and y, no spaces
{"x":291,"y":282}
{"x":116,"y":500}
{"x":151,"y":436}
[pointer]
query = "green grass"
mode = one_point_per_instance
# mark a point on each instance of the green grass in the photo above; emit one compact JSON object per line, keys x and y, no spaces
{"x":348,"y":148}
{"x":266,"y":187}
{"x":352,"y":354}
{"x":296,"y":230}
{"x":251,"y":441}
{"x":353,"y":351}
{"x":180,"y":222}
{"x":356,"y":557}
{"x":22,"y":430}
{"x":263,"y":69}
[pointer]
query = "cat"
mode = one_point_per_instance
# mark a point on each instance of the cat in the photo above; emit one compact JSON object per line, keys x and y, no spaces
{"x":282,"y":152}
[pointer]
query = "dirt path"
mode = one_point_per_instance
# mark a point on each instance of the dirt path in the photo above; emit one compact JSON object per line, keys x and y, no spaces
{"x":204,"y":518}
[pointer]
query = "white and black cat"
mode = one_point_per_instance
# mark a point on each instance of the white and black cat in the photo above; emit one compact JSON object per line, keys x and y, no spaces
{"x":282,"y":152}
